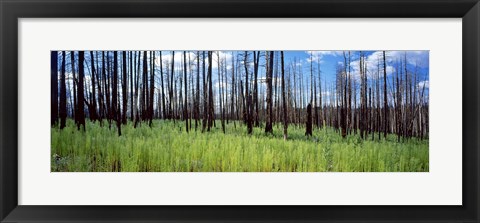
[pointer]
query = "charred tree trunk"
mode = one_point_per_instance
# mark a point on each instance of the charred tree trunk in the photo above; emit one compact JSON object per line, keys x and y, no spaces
{"x":211,"y":105}
{"x":256,"y":60}
{"x":131,"y":87}
{"x":197,"y":93}
{"x":107,"y":90}
{"x":268,"y":125}
{"x":164,"y":113}
{"x":170,"y":109}
{"x":232,"y":101}
{"x":115,"y":105}
{"x":63,"y":95}
{"x":385,"y":103}
{"x":308,"y":131}
{"x":152,"y":89}
{"x":247,"y":110}
{"x":74,"y":83}
{"x":185,"y":105}
{"x":54,"y":85}
{"x":124,"y":88}
{"x":93,"y":104}
{"x":205,"y":95}
{"x":220,"y":90}
{"x":137,"y":83}
{"x":80,"y":90}
{"x":285,"y":112}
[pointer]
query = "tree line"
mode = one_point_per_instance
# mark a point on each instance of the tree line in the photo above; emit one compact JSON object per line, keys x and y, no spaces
{"x":199,"y":87}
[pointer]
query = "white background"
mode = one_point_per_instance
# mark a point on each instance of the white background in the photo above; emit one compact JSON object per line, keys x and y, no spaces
{"x":441,"y":186}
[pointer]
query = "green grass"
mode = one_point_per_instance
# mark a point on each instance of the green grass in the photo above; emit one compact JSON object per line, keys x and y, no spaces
{"x":167,"y":147}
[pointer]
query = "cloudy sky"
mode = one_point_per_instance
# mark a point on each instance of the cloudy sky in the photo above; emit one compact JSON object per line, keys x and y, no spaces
{"x":325,"y":61}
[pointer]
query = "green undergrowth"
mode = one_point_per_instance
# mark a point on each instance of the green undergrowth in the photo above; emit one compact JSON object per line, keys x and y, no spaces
{"x":167,"y":147}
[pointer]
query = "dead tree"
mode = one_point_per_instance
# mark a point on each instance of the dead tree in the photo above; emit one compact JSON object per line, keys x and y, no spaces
{"x":308,"y":129}
{"x":115,"y":105}
{"x":54,"y":86}
{"x":80,"y":91}
{"x":211,"y":110}
{"x":63,"y":95}
{"x":247,"y":109}
{"x":269,"y":120}
{"x":385,"y":103}
{"x":185,"y":105}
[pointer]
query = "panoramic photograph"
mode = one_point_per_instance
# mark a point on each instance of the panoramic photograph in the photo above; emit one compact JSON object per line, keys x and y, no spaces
{"x":239,"y":111}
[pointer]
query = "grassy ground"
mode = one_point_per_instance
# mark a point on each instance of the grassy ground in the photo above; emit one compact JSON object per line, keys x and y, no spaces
{"x":167,"y":147}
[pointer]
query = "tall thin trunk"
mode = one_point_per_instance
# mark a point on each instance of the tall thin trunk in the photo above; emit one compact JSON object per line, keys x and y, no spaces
{"x":80,"y":90}
{"x":124,"y":88}
{"x":247,"y":109}
{"x":256,"y":61}
{"x":74,"y":83}
{"x":115,"y":104}
{"x":185,"y":105}
{"x":93,"y":104}
{"x":385,"y":103}
{"x":211,"y":111}
{"x":131,"y":86}
{"x":170,"y":109}
{"x":63,"y":95}
{"x":197,"y":93}
{"x":220,"y":90}
{"x":163,"y":87}
{"x":54,"y":86}
{"x":268,"y":126}
{"x":152,"y":89}
{"x":285,"y":112}
{"x":205,"y":95}
{"x":232,"y":105}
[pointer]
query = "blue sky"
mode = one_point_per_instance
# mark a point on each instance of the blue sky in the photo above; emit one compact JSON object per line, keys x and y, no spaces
{"x":417,"y":61}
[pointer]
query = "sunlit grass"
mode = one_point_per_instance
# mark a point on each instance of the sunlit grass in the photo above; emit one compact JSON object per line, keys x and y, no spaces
{"x":167,"y":147}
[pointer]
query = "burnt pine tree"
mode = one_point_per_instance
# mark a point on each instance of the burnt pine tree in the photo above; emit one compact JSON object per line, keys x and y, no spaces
{"x":108,"y":91}
{"x":63,"y":95}
{"x":210,"y":93}
{"x":185,"y":105}
{"x":220,"y":90}
{"x":124,"y":87}
{"x":268,"y":126}
{"x":247,"y":109}
{"x":152,"y":89}
{"x":100,"y":95}
{"x":163,"y":87}
{"x":308,"y":128}
{"x":170,"y":92}
{"x":205,"y":96}
{"x":131,"y":85}
{"x":256,"y":61}
{"x":385,"y":103}
{"x":137,"y":83}
{"x":285,"y":117}
{"x":54,"y":85}
{"x":80,"y":90}
{"x":74,"y":83}
{"x":143,"y":96}
{"x":115,"y":106}
{"x":93,"y":104}
{"x":232,"y":99}
{"x":197,"y":93}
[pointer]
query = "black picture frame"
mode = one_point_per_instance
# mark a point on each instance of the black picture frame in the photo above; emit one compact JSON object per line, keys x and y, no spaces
{"x":12,"y":10}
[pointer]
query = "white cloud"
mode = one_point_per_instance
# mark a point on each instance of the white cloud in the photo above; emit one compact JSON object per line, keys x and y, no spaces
{"x":318,"y":55}
{"x":421,"y":84}
{"x":419,"y":58}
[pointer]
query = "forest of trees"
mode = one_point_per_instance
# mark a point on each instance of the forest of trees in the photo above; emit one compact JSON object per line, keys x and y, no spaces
{"x":372,"y":94}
